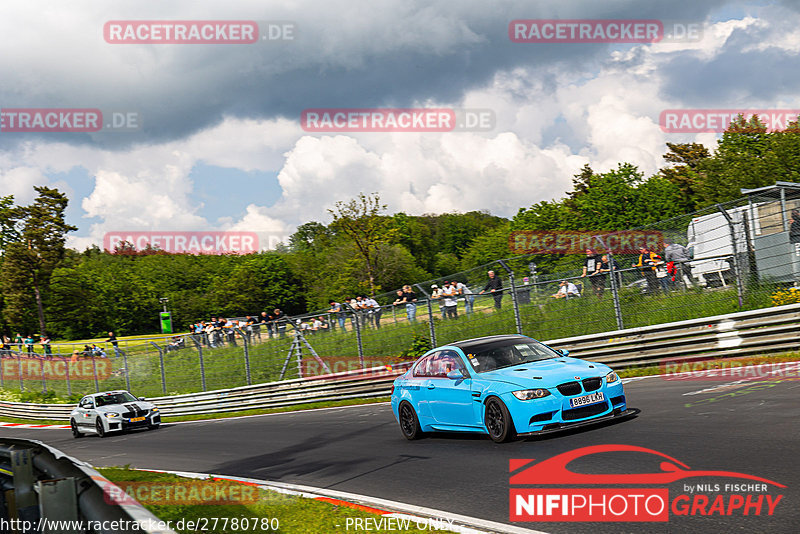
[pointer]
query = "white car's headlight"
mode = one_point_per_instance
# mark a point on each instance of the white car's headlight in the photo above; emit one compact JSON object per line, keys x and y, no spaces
{"x":612,"y":377}
{"x":111,"y":414}
{"x":153,"y":409}
{"x":529,"y":394}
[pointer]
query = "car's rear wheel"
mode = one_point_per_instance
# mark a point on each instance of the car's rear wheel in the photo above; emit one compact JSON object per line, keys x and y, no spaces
{"x":498,"y":421}
{"x":74,"y":426}
{"x":101,"y":431}
{"x":409,"y":422}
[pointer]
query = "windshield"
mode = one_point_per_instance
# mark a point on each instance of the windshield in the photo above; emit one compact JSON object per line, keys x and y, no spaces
{"x":114,"y":398}
{"x":508,"y":353}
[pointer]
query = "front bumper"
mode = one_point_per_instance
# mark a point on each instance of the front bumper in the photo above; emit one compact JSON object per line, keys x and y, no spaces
{"x":617,"y":413}
{"x":126,"y":424}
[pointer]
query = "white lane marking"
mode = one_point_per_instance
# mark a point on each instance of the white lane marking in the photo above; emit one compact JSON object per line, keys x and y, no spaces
{"x":467,"y":525}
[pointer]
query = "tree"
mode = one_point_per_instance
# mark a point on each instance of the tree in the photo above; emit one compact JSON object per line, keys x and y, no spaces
{"x":687,"y":157}
{"x":29,"y":262}
{"x":361,"y":220}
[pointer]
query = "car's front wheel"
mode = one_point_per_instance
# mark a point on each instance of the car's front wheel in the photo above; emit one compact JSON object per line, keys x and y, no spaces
{"x":498,"y":421}
{"x":153,"y":426}
{"x":409,"y":422}
{"x":101,"y":431}
{"x":74,"y":426}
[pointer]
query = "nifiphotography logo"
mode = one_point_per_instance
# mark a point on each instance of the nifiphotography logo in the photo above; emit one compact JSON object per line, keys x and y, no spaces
{"x":633,"y":497}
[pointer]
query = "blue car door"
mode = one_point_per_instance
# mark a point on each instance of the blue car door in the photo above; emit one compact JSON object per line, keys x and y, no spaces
{"x":449,"y":400}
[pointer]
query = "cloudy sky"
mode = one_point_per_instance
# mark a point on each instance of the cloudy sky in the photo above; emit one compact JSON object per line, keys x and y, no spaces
{"x":221,"y":145}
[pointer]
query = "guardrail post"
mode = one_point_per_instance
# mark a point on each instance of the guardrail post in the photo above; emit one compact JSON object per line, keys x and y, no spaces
{"x":356,"y":322}
{"x":514,"y":302}
{"x":161,"y":364}
{"x":27,"y":503}
{"x":614,"y":289}
{"x":44,"y":378}
{"x":246,"y":341}
{"x":736,"y":268}
{"x":19,"y":368}
{"x":69,"y":385}
{"x":202,"y":364}
{"x":127,"y":370}
{"x":431,"y":326}
{"x":94,"y":372}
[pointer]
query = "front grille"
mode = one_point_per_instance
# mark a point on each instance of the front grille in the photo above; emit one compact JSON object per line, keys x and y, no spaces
{"x":584,"y":411}
{"x":134,"y":411}
{"x":592,"y":384}
{"x":618,"y":400}
{"x":569,"y":388}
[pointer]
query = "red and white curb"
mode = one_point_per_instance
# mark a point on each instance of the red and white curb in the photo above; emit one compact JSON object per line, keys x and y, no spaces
{"x":416,"y":516}
{"x":23,"y":425}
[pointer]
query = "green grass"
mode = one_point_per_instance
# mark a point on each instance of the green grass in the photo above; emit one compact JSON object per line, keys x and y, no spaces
{"x":293,"y":514}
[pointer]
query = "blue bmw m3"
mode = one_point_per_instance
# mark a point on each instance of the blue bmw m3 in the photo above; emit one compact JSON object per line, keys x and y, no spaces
{"x":505,"y":386}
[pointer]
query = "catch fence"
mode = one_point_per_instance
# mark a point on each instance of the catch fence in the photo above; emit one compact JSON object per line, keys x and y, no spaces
{"x":742,"y":255}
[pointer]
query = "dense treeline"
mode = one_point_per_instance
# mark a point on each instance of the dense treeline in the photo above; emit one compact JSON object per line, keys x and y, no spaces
{"x":362,"y":250}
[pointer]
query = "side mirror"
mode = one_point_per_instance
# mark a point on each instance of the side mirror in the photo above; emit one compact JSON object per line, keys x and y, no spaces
{"x":564,"y":352}
{"x":455,"y":374}
{"x":142,"y":399}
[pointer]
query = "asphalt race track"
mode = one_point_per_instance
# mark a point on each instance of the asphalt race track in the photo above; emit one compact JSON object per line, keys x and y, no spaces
{"x":751,"y":428}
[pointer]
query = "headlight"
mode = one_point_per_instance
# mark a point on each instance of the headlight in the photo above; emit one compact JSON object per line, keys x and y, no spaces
{"x":153,"y":409}
{"x":111,"y":414}
{"x":611,"y":377}
{"x":528,"y":394}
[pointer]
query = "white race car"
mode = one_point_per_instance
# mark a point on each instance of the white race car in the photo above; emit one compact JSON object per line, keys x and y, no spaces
{"x":112,"y":411}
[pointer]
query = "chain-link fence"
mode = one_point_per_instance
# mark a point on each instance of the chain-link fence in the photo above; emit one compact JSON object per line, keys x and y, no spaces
{"x":741,"y":255}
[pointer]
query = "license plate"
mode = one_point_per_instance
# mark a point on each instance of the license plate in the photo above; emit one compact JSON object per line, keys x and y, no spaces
{"x":136,"y":419}
{"x":587,"y":399}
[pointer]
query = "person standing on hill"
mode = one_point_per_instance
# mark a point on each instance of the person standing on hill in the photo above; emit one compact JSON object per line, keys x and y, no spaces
{"x":494,"y":286}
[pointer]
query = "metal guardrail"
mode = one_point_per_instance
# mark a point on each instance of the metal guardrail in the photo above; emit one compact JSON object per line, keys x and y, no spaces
{"x":51,"y":486}
{"x":742,"y":333}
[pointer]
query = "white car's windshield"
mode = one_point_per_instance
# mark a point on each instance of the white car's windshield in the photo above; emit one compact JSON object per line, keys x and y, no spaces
{"x":508,"y":353}
{"x":114,"y":398}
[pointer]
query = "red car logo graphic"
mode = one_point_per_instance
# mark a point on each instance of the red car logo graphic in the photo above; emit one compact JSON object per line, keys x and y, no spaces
{"x":554,"y":470}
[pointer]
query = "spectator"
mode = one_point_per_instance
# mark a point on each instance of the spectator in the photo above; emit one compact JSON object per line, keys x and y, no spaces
{"x":266,"y":321}
{"x":18,"y":341}
{"x":97,"y":352}
{"x":279,"y":320}
{"x":114,"y":343}
{"x":252,"y":328}
{"x":176,"y":343}
{"x":230,"y":331}
{"x":45,"y":342}
{"x":450,"y":299}
{"x":605,"y":268}
{"x":591,"y":268}
{"x":320,"y":324}
{"x":495,"y":287}
{"x":566,"y":290}
{"x":647,"y":264}
{"x":436,"y":294}
{"x":211,"y":332}
{"x":375,"y":310}
{"x":29,"y":344}
{"x":341,"y":315}
{"x":410,"y":298}
{"x":469,"y":297}
{"x":5,"y":348}
{"x":87,"y":351}
{"x":794,"y":228}
{"x":679,"y":256}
